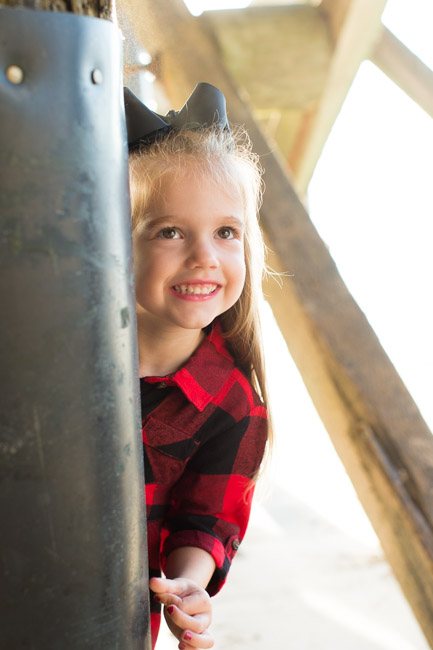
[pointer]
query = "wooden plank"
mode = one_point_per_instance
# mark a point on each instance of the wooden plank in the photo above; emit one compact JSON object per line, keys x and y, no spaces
{"x":357,"y":36}
{"x":405,"y":69}
{"x":280,"y":55}
{"x":375,"y":426}
{"x":336,"y":13}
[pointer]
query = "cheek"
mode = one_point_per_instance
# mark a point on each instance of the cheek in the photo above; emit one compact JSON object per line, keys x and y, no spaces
{"x":145,"y":279}
{"x":146,"y":262}
{"x":239,"y":273}
{"x":139,"y":270}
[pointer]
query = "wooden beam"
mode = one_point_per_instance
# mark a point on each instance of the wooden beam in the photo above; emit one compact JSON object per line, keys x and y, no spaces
{"x":374,"y":424}
{"x":405,"y":69}
{"x":336,"y":14}
{"x":357,"y":37}
{"x":280,"y":55}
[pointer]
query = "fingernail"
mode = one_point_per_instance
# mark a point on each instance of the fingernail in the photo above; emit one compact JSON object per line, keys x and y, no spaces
{"x":181,"y":646}
{"x":187,"y":636}
{"x":157,"y":598}
{"x":170,"y":609}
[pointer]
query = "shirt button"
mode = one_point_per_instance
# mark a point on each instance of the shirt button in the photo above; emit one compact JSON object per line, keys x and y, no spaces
{"x":235,"y":544}
{"x":161,"y":384}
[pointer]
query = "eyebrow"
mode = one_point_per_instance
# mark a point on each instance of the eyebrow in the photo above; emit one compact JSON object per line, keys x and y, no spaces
{"x":154,"y":222}
{"x":232,"y":219}
{"x":228,"y":220}
{"x":168,"y":219}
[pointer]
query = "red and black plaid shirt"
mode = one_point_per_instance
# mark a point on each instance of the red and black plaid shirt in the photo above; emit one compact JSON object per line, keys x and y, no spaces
{"x":204,"y":434}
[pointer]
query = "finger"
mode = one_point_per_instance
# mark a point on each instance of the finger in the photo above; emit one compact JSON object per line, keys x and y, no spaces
{"x":164,"y":585}
{"x":163,"y":595}
{"x":161,"y":585}
{"x":191,"y":641}
{"x":168,"y":599}
{"x":186,"y":646}
{"x":183,"y":593}
{"x":196,"y":624}
{"x":197,"y":602}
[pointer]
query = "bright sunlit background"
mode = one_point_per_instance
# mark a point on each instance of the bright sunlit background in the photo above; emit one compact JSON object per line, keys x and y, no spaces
{"x":371,"y":200}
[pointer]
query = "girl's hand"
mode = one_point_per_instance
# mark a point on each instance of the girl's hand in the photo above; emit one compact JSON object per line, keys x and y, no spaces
{"x":187,"y":611}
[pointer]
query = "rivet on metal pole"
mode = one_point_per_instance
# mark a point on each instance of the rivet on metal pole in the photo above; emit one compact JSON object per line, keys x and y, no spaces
{"x":97,"y":77}
{"x":14,"y":74}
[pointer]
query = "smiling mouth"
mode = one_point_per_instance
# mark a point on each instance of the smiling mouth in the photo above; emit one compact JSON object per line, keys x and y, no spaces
{"x":195,"y":289}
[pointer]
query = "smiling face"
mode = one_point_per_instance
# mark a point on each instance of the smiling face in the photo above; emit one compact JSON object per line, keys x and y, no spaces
{"x":189,"y":255}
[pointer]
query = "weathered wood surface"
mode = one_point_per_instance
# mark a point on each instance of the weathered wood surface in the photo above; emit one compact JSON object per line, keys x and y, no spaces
{"x":375,"y":426}
{"x":95,"y":8}
{"x":359,"y":27}
{"x":405,"y":69}
{"x":336,"y":12}
{"x":280,"y":54}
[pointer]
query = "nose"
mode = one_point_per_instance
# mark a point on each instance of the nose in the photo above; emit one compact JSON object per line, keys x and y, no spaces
{"x":202,"y":254}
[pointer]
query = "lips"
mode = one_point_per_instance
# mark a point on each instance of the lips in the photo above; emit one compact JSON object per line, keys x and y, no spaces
{"x":205,"y":289}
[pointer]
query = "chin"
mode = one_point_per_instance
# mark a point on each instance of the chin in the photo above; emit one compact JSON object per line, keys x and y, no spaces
{"x":197,"y":324}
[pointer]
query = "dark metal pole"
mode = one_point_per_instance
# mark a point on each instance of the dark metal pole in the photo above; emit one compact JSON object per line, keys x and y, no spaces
{"x":72,"y":543}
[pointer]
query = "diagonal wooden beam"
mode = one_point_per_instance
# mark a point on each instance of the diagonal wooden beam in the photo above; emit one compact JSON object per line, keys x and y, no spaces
{"x":405,"y":69}
{"x":374,"y":424}
{"x":356,"y":31}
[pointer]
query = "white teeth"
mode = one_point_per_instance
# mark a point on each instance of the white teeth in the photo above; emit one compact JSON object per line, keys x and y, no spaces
{"x":195,"y":289}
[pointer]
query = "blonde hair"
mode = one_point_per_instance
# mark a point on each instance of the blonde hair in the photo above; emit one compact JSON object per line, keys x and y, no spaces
{"x":227,"y":160}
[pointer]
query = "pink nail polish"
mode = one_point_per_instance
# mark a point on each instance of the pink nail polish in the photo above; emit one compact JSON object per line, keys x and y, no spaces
{"x":181,"y":646}
{"x":170,"y":609}
{"x":157,"y":598}
{"x":187,"y":636}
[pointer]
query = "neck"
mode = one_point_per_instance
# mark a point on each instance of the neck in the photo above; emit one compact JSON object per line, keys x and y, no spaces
{"x":162,"y":352}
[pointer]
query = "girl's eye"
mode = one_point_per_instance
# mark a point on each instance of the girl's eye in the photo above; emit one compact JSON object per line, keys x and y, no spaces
{"x":169,"y":233}
{"x":226,"y":233}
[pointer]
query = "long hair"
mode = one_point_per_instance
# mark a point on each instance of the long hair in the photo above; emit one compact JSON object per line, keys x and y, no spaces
{"x":227,"y":160}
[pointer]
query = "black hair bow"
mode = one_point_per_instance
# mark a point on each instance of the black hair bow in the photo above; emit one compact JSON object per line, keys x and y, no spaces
{"x":206,"y":106}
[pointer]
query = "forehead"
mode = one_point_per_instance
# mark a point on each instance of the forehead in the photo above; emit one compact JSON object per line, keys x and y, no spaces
{"x":190,"y":190}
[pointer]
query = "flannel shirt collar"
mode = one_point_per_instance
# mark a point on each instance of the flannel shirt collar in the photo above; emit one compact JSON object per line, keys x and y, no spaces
{"x":205,"y":373}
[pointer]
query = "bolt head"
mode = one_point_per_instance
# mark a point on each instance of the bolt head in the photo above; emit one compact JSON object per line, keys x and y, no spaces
{"x":97,"y":76}
{"x":14,"y":74}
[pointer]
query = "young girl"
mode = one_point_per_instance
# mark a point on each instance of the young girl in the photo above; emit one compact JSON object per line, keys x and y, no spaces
{"x":199,"y":259}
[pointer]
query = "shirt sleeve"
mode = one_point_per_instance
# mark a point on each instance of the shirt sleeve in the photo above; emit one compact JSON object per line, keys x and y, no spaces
{"x":211,"y":502}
